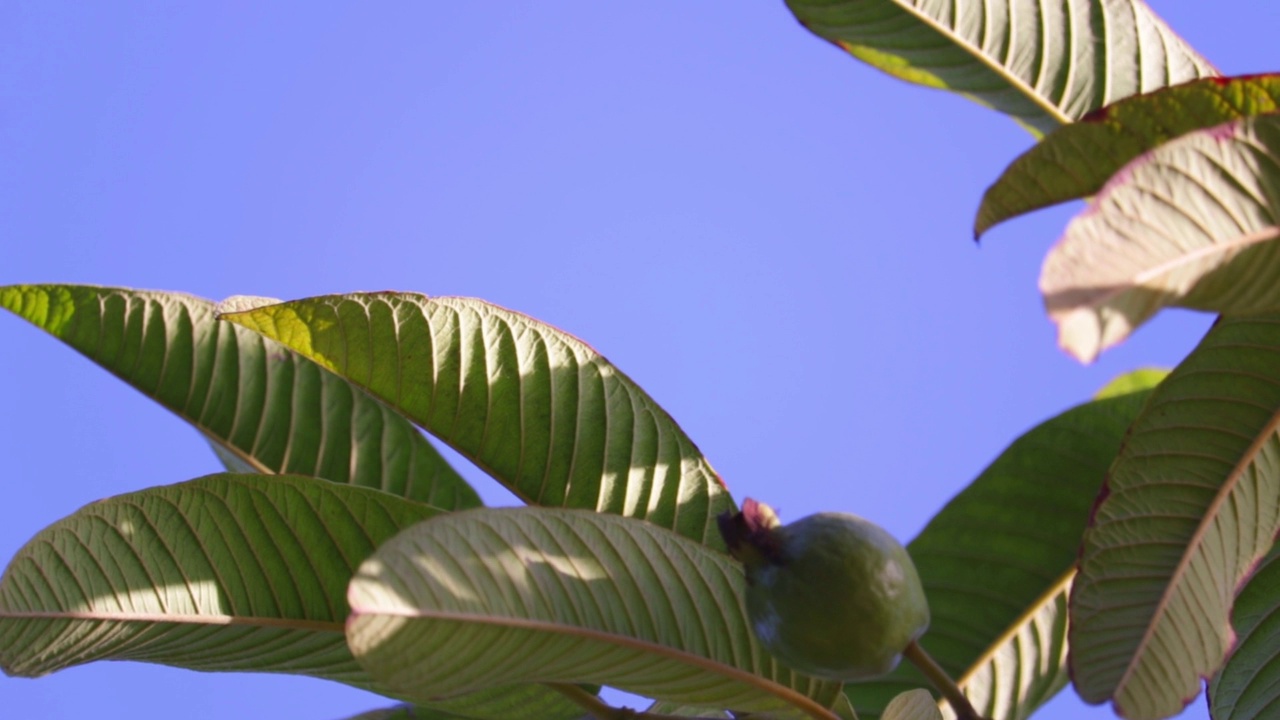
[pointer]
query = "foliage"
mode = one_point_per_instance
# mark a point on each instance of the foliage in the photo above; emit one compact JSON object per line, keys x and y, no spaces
{"x":1110,"y":544}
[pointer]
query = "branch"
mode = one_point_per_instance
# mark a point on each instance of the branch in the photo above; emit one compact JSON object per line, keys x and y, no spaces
{"x":942,"y":681}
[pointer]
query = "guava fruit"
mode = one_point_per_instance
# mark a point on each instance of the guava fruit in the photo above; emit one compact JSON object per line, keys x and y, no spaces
{"x":830,"y":595}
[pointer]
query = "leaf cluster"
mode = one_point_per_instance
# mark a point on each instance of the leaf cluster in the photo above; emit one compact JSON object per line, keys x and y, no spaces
{"x":1108,"y":547}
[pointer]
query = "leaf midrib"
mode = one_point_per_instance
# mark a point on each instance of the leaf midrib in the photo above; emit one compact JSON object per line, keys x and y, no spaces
{"x":983,"y":58}
{"x":803,"y":702}
{"x":1180,"y":573}
{"x":178,"y":619}
{"x":1165,"y":268}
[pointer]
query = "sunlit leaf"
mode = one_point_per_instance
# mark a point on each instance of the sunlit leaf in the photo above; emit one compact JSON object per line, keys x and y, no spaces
{"x":1131,"y":382}
{"x":1044,"y":63}
{"x":915,"y":704}
{"x":1248,"y":686}
{"x":228,"y":572}
{"x":996,"y":562}
{"x":533,"y":406}
{"x":262,"y":407}
{"x":1075,"y":160}
{"x":1190,"y":505}
{"x":1191,"y":224}
{"x":472,"y":599}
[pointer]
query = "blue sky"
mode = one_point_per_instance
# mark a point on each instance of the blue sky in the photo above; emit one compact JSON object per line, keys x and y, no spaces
{"x":769,"y":237}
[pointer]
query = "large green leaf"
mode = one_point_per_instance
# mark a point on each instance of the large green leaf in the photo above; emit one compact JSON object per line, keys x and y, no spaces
{"x":996,"y":562}
{"x":1191,"y":224}
{"x":1248,"y":686}
{"x":471,"y":599}
{"x":1043,"y":62}
{"x":1190,"y":505}
{"x":1075,"y":160}
{"x":535,"y":407}
{"x":227,"y":572}
{"x":261,"y":406}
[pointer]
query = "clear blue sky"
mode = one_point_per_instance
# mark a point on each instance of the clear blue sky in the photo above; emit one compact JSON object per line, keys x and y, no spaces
{"x":768,"y":236}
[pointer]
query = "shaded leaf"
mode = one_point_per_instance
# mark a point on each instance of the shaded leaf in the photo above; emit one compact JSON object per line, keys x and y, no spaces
{"x":1024,"y":667}
{"x":403,"y":712}
{"x":1189,"y":224}
{"x":912,"y":705}
{"x":1043,"y":63}
{"x":227,"y":572}
{"x":518,"y":712}
{"x":549,"y":595}
{"x":996,"y":561}
{"x":1190,"y":505}
{"x":1248,"y":686}
{"x":677,"y":710}
{"x":533,"y":406}
{"x":1075,"y":160}
{"x":262,"y":407}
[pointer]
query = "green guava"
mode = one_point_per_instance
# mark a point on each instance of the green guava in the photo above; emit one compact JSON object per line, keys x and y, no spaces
{"x":830,"y":595}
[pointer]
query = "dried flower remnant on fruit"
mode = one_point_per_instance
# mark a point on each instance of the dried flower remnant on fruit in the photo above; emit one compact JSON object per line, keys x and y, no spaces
{"x":831,"y":595}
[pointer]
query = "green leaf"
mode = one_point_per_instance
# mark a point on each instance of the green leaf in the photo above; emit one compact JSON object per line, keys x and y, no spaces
{"x":536,"y":408}
{"x":677,"y":710}
{"x":915,"y":704}
{"x":1131,"y":382}
{"x":227,"y":572}
{"x":1043,"y":63}
{"x":481,"y":597}
{"x":418,"y":712}
{"x":996,"y":562}
{"x":1190,"y":224}
{"x":1248,"y":686}
{"x":1190,"y":505}
{"x":1075,"y":160}
{"x":261,"y":406}
{"x":404,"y":712}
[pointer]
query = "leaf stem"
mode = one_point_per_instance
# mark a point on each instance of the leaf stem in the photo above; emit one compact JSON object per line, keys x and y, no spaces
{"x":942,"y":681}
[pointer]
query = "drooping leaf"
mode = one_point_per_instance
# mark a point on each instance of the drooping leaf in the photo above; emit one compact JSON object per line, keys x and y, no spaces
{"x":1075,"y":160}
{"x":227,"y":572}
{"x":261,"y":406}
{"x":996,"y":562}
{"x":481,"y":597}
{"x":1248,"y":686}
{"x":1043,"y":63}
{"x":1190,"y":224}
{"x":915,"y":704}
{"x":535,"y":407}
{"x":1190,"y":505}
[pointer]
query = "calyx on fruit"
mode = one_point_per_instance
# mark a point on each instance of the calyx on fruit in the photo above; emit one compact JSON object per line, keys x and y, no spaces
{"x":830,"y":595}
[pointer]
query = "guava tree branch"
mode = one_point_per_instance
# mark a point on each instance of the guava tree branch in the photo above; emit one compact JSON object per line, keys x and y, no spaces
{"x":942,"y":681}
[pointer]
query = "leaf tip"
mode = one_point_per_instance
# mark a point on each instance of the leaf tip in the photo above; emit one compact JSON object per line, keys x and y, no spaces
{"x":242,"y":303}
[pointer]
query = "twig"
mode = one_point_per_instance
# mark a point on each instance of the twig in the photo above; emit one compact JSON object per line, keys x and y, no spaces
{"x":942,"y":681}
